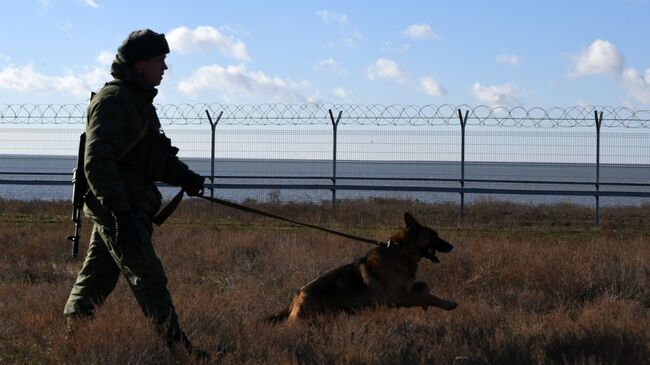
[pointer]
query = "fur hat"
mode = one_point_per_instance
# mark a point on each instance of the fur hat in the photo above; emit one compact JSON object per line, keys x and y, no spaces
{"x":142,"y":45}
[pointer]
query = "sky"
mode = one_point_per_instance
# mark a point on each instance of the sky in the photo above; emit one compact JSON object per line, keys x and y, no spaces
{"x":496,"y":53}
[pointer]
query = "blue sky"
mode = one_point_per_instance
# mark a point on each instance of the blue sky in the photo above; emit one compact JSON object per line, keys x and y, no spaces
{"x":528,"y":53}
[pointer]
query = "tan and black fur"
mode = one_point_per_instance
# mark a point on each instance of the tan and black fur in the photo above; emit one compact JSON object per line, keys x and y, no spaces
{"x":385,"y":276}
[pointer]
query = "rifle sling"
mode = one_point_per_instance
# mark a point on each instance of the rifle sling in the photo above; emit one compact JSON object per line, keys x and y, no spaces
{"x":168,"y":209}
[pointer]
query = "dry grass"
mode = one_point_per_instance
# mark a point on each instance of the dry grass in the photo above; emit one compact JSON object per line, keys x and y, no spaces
{"x":535,"y":285}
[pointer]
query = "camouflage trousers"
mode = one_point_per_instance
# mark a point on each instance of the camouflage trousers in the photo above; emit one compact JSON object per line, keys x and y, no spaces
{"x":139,"y":264}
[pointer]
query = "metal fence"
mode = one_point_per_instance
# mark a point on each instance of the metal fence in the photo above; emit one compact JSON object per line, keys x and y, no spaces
{"x":331,"y":151}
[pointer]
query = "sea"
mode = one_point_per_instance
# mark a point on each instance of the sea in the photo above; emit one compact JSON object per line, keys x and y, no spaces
{"x":38,"y":177}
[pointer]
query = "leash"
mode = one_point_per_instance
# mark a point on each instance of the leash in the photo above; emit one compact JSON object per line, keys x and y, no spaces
{"x":271,"y":215}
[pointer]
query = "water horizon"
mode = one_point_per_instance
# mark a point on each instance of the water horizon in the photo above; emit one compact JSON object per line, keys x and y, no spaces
{"x":303,"y":175}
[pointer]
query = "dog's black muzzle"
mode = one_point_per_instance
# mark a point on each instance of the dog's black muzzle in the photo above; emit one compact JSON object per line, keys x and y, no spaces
{"x":439,"y":245}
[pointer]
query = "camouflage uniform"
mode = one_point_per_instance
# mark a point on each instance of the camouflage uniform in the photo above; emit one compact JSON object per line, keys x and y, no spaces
{"x":125,"y":153}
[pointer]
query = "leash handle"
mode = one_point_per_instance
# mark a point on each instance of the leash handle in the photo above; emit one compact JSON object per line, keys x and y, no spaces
{"x":275,"y":216}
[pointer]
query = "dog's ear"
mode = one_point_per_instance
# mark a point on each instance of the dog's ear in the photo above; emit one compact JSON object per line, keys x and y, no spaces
{"x":411,"y":223}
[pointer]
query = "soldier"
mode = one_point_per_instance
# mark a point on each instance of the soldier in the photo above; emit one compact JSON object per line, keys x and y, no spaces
{"x":125,"y":153}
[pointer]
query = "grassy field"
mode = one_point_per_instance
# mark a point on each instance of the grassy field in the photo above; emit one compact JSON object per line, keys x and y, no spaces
{"x":535,"y":285}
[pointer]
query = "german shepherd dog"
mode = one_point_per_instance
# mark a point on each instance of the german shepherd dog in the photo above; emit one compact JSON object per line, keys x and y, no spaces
{"x":385,"y":276}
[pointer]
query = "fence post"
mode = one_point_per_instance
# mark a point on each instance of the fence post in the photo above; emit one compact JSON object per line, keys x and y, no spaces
{"x":213,"y":126}
{"x":463,"y":123}
{"x":335,"y":125}
{"x":599,"y":121}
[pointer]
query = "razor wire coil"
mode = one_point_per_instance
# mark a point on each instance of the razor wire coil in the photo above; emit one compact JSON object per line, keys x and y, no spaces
{"x":352,"y":114}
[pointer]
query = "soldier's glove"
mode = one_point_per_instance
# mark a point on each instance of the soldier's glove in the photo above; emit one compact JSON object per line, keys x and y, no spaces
{"x":193,"y":183}
{"x":126,"y":227}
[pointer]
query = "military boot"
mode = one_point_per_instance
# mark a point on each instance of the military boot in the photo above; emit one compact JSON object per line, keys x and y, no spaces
{"x":179,"y":339}
{"x":69,"y":328}
{"x":72,"y":324}
{"x":194,"y":352}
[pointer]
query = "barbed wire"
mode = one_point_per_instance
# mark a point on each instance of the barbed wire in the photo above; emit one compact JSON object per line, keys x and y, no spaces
{"x":351,"y":114}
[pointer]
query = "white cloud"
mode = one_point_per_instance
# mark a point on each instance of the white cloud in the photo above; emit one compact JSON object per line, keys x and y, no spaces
{"x":503,"y":95}
{"x":43,"y":4}
{"x":27,"y":80}
{"x":74,"y":82}
{"x":330,"y":65}
{"x":349,"y":36}
{"x":420,"y":31}
{"x":328,"y":16}
{"x":104,"y":58}
{"x":386,"y":69}
{"x":389,"y":47}
{"x":237,"y":81}
{"x":185,"y":40}
{"x":66,"y":28}
{"x":431,"y":87}
{"x":509,"y":58}
{"x":600,"y":58}
{"x":330,"y":62}
{"x":637,"y":85}
{"x":341,"y":93}
{"x":328,"y":45}
{"x":234,"y":29}
{"x":91,"y":3}
{"x":628,"y":104}
{"x":350,"y":39}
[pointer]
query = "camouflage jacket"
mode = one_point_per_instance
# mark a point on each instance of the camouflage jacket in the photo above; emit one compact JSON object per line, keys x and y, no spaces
{"x":126,"y":152}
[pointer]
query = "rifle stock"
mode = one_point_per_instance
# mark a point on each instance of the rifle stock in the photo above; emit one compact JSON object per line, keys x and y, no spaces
{"x":79,"y":189}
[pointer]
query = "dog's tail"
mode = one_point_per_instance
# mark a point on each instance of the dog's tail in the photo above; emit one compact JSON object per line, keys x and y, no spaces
{"x":278,"y":317}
